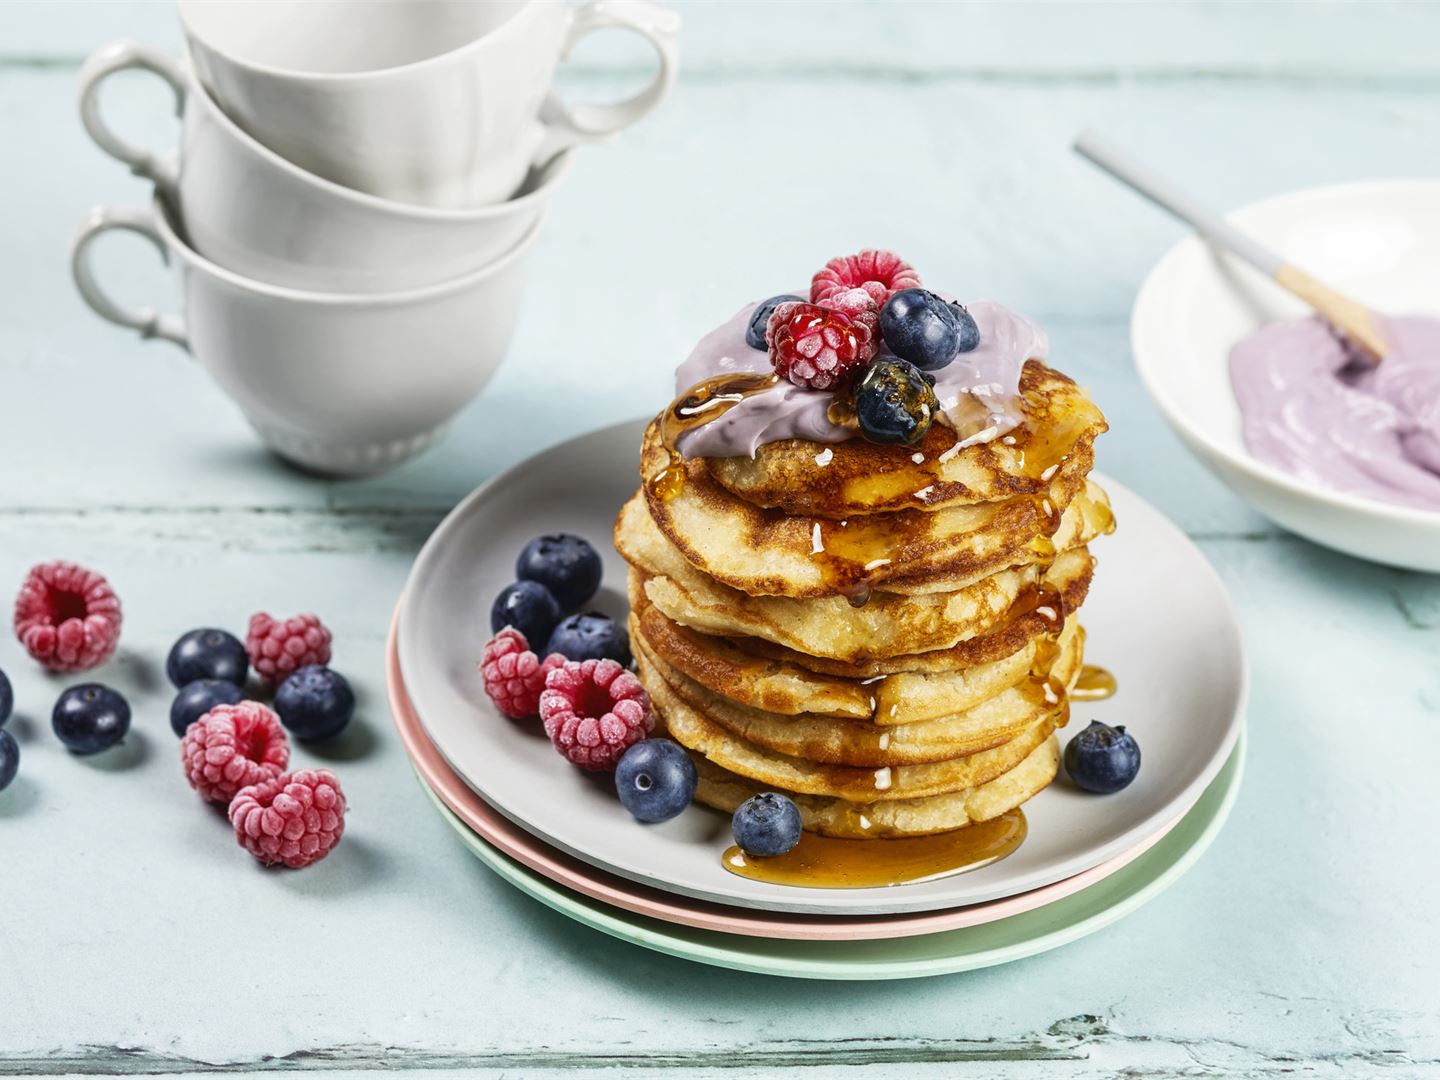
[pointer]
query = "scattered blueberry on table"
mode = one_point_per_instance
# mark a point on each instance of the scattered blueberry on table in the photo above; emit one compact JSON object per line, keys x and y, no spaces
{"x":529,"y":607}
{"x":197,"y":698}
{"x":207,"y":654}
{"x":565,"y":564}
{"x":655,"y":780}
{"x":1102,"y":759}
{"x":766,"y":825}
{"x":7,"y":699}
{"x":9,"y":759}
{"x":90,"y":717}
{"x":315,"y":703}
{"x":591,"y":636}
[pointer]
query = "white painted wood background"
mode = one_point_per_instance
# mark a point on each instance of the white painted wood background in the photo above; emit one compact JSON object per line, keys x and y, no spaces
{"x":135,"y":940}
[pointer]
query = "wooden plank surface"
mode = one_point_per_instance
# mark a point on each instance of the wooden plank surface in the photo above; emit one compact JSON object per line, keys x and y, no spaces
{"x":134,"y":940}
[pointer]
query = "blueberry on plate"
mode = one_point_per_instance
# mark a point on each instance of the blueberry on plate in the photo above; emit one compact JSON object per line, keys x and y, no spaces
{"x":1102,"y":759}
{"x":766,"y":824}
{"x":895,"y":403}
{"x":590,"y":636}
{"x":207,"y":654}
{"x":920,"y":327}
{"x":655,"y":780}
{"x":197,"y":698}
{"x":9,"y":759}
{"x":7,"y":699}
{"x":565,"y":564}
{"x":90,"y":717}
{"x":529,"y":607}
{"x":760,"y":318}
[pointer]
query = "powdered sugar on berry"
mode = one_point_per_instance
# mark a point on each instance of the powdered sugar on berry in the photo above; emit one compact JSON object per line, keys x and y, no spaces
{"x":979,"y":391}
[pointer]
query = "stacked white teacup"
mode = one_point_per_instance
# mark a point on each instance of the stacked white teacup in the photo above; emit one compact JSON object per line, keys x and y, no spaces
{"x":357,"y":188}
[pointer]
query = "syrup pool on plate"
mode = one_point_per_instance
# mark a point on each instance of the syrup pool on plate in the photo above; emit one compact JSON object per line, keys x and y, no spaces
{"x":828,"y":862}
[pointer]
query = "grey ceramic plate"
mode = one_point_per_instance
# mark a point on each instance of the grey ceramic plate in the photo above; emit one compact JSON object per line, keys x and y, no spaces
{"x":1157,"y":616}
{"x":998,"y":942}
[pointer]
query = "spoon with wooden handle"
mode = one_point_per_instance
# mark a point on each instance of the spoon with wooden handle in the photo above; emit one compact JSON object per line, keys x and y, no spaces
{"x":1352,"y":318}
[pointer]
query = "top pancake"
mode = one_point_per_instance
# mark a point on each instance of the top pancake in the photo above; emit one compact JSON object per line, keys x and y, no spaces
{"x":769,"y":553}
{"x":860,"y":477}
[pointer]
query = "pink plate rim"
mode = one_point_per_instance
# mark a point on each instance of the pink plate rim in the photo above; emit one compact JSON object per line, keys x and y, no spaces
{"x":514,"y":841}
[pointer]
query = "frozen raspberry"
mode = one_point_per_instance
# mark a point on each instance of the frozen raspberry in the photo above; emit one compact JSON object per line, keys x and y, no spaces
{"x":231,"y":747}
{"x":594,"y":711}
{"x":294,"y":818}
{"x":862,"y":310}
{"x":67,"y":617}
{"x":277,"y":648}
{"x":514,"y":676}
{"x":879,"y":273}
{"x":816,"y":347}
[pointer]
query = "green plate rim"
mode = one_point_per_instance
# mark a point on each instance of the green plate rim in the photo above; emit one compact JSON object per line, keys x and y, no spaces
{"x":1026,"y":934}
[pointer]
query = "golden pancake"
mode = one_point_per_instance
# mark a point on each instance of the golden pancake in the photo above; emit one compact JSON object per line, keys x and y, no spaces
{"x":888,"y":625}
{"x":767,"y":553}
{"x":725,"y":791}
{"x":861,"y":477}
{"x":698,"y":732}
{"x":773,"y":685}
{"x":832,"y":741}
{"x":724,"y":666}
{"x":1022,"y":626}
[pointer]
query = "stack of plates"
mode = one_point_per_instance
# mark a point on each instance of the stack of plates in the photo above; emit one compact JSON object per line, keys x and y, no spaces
{"x":1158,"y":618}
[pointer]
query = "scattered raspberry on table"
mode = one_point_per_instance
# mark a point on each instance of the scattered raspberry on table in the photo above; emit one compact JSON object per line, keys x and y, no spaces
{"x":231,"y":747}
{"x":294,"y":818}
{"x":67,"y":617}
{"x":279,"y":647}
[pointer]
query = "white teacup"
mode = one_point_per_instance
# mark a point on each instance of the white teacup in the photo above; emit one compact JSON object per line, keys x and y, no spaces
{"x":435,"y":102}
{"x":251,"y":211}
{"x":341,"y":384}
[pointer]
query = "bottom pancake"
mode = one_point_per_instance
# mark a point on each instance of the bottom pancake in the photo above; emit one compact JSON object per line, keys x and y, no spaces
{"x":725,"y":791}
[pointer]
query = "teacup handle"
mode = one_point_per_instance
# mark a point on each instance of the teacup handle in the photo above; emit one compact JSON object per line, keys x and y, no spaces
{"x":149,"y":322}
{"x":568,"y":125}
{"x":125,"y":56}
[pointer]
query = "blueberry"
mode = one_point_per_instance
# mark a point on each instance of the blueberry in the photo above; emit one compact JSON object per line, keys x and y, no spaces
{"x":7,"y":699}
{"x":565,"y":564}
{"x":315,"y":703}
{"x":90,"y":717}
{"x":9,"y":759}
{"x":527,"y":606}
{"x":920,"y":327}
{"x":766,"y":824}
{"x":755,"y":329}
{"x":655,"y":780}
{"x":1102,"y":758}
{"x":895,"y":403}
{"x":197,"y":698}
{"x":207,"y":654}
{"x":590,"y":636}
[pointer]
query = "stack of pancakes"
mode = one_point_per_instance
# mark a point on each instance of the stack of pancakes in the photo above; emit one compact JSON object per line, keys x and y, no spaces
{"x":886,"y":634}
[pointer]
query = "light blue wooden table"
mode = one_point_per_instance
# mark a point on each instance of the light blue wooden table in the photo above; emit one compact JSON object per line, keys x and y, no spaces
{"x":135,"y":939}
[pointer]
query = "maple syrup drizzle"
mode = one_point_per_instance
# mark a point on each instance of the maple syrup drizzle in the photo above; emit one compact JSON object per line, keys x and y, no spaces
{"x":1094,"y":684}
{"x":704,"y":402}
{"x":828,"y":862}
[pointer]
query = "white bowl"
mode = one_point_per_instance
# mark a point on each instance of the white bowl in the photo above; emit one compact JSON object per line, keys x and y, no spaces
{"x":1378,"y":241}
